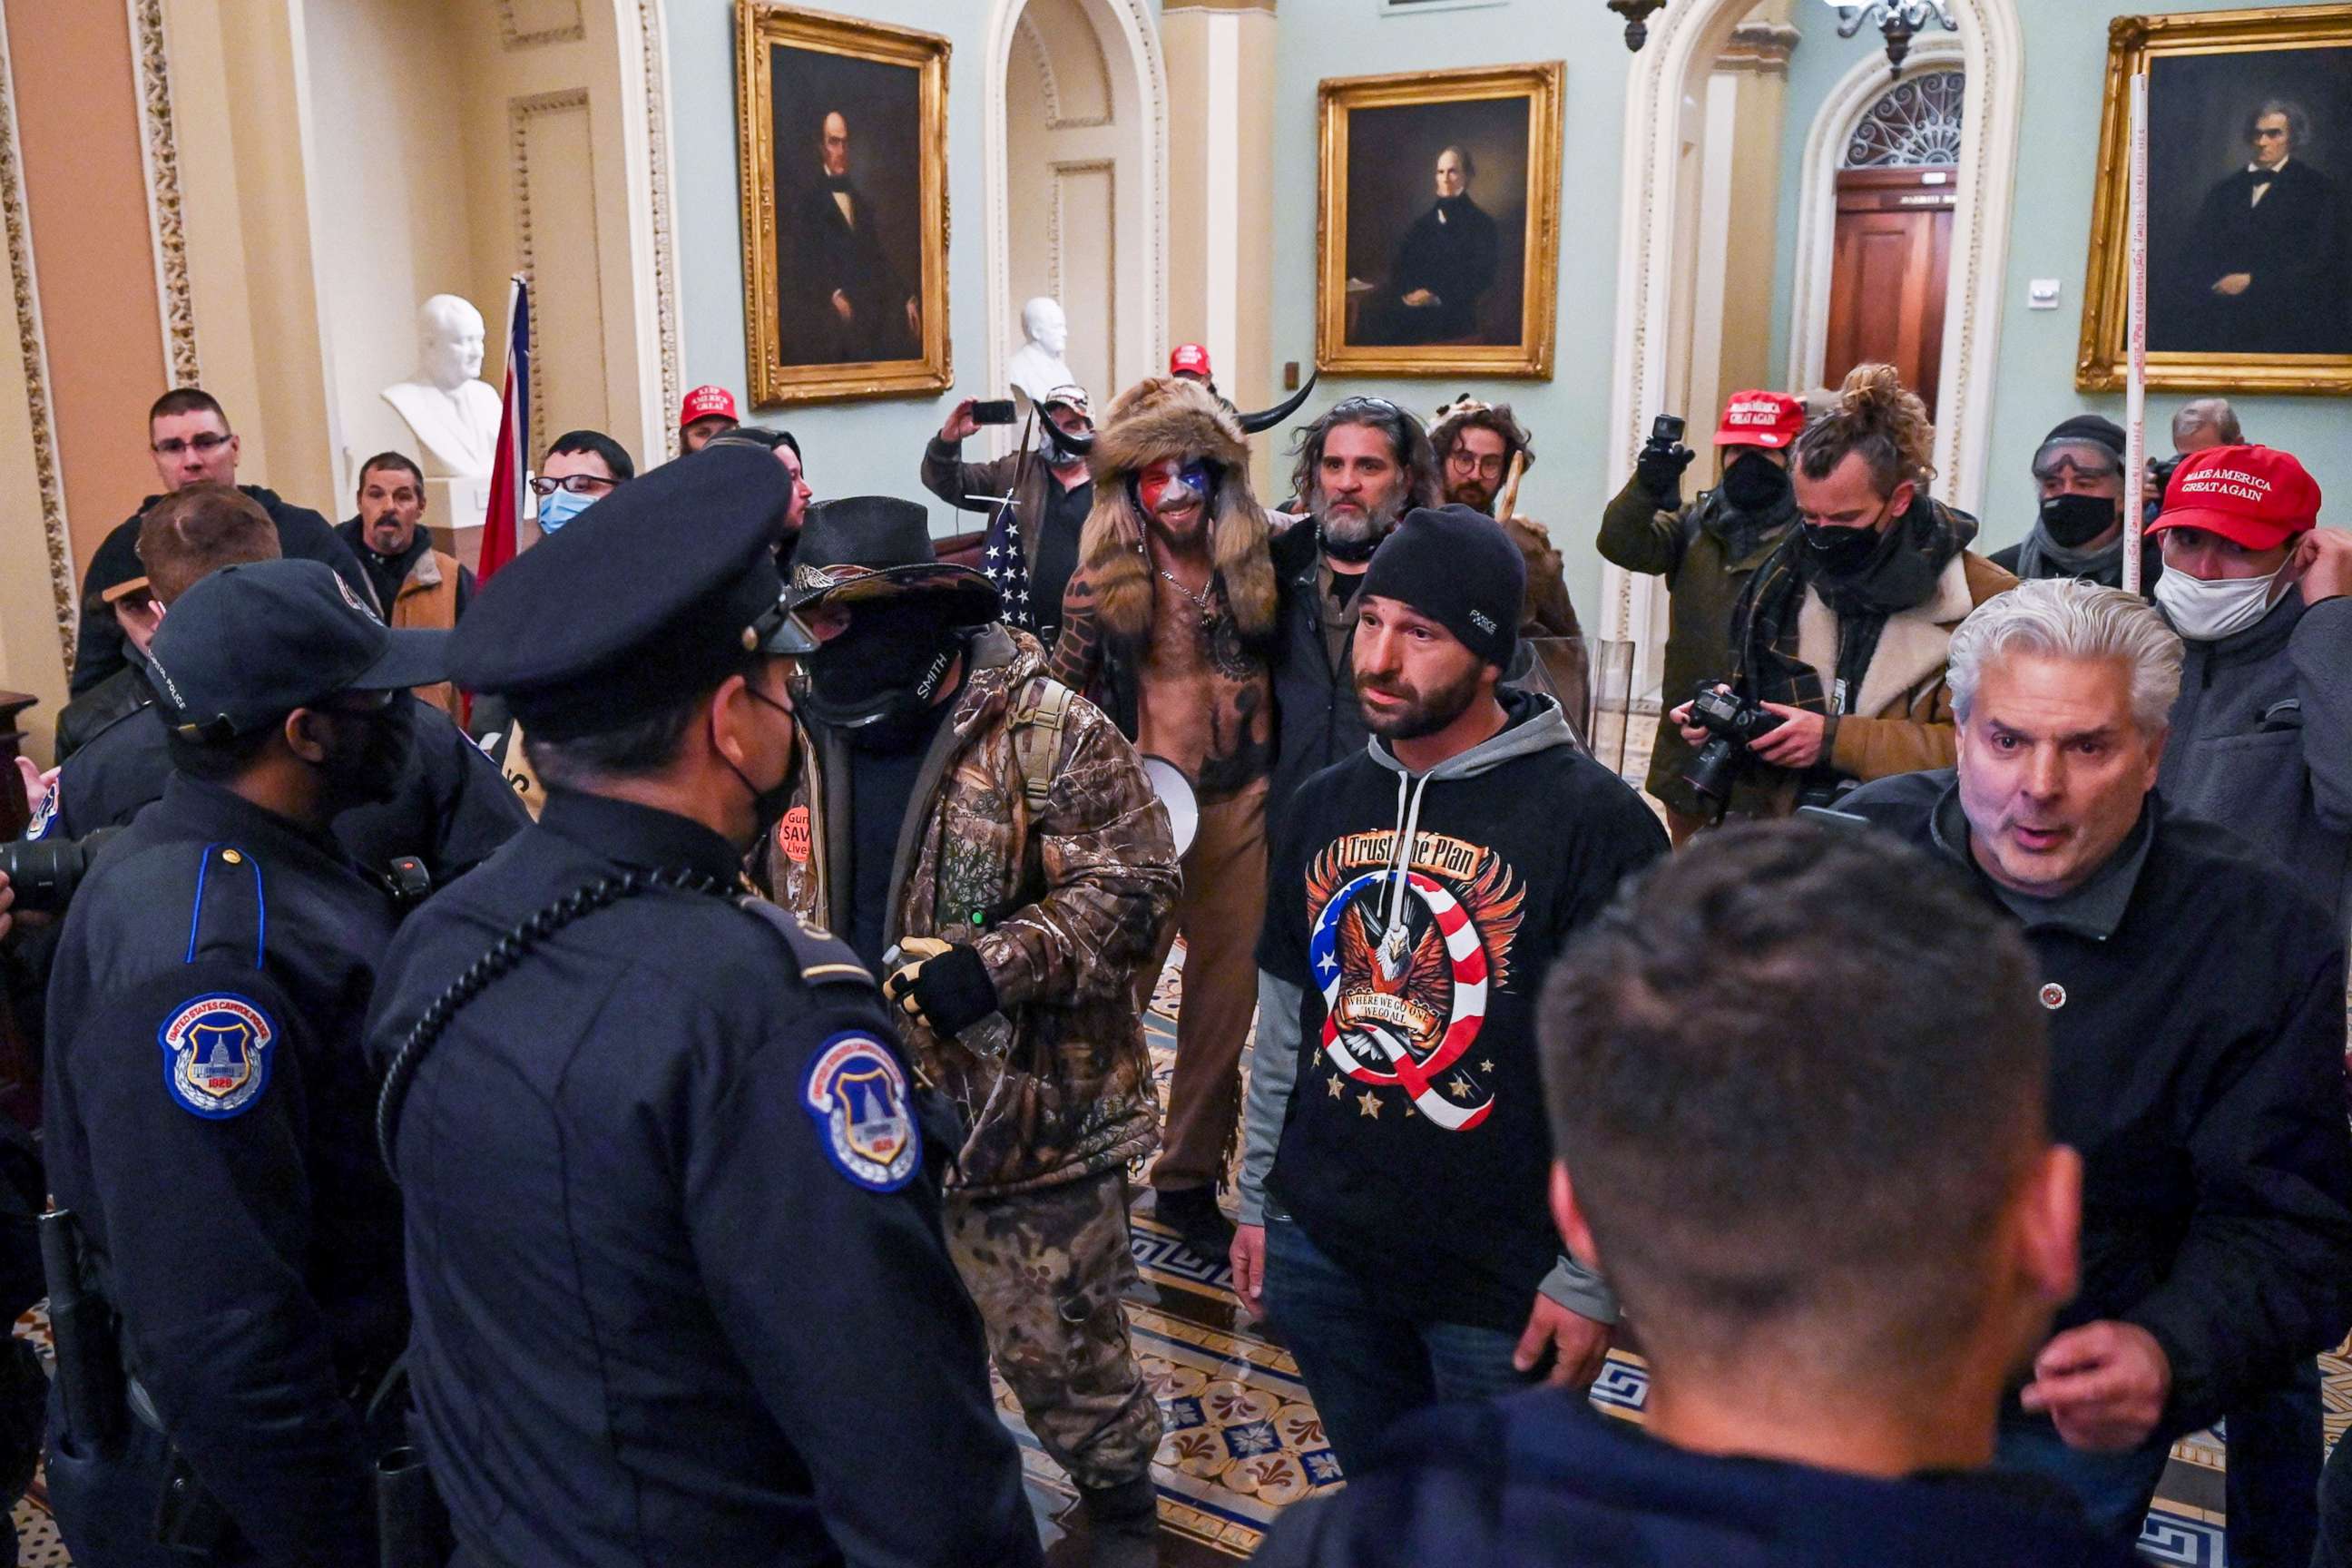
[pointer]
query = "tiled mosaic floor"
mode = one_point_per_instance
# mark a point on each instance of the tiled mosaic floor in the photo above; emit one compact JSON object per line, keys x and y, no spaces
{"x":1243,"y":1440}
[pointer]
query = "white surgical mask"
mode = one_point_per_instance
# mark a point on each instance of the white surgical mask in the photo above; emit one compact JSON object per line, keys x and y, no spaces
{"x":2206,"y":610}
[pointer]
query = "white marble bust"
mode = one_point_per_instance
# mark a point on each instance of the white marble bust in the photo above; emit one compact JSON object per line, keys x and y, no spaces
{"x":1037,"y":366}
{"x":453,"y":413}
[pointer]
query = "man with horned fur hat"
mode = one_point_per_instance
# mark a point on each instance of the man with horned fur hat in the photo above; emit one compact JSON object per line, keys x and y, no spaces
{"x":1166,"y":626}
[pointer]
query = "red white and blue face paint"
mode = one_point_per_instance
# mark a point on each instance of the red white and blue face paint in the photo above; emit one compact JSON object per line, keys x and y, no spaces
{"x":1170,"y":485}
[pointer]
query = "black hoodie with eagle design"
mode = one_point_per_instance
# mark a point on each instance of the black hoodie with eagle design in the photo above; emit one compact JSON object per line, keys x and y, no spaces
{"x":1414,"y":1146}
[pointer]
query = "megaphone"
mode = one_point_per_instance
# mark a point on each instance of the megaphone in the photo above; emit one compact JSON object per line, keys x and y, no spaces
{"x":1175,"y":793}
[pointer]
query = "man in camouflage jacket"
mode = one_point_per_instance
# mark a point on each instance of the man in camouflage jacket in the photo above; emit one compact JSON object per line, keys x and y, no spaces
{"x":1012,"y":900}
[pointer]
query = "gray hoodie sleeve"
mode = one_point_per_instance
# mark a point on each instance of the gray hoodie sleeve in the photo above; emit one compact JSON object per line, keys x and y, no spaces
{"x":1274,"y":1069}
{"x":1581,"y":1291}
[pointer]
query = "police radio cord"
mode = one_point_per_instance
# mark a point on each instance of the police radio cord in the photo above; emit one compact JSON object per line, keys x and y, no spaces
{"x":507,"y":952}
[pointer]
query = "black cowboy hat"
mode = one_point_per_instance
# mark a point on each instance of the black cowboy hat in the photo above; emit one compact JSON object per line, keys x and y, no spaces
{"x":862,"y":548}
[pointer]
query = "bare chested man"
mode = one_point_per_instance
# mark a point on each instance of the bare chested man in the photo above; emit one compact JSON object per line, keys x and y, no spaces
{"x":1166,"y":623}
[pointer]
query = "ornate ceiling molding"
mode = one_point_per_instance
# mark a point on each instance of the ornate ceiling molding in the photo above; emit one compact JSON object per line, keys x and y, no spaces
{"x":1762,"y":48}
{"x":1027,"y":31}
{"x":159,"y":151}
{"x":25,"y":286}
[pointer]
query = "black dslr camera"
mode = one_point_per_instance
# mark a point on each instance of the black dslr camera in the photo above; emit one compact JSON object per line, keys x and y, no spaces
{"x":46,"y":871}
{"x":1733,"y":724}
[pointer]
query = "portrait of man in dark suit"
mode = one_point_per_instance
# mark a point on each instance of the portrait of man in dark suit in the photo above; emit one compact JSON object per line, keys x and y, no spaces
{"x":1444,"y":266}
{"x":850,"y":303}
{"x":2261,"y":267}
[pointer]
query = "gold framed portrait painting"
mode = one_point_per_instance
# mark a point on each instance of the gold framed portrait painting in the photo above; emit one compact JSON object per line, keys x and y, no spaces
{"x":2249,"y":202}
{"x":1437,"y":241}
{"x":843,"y":132}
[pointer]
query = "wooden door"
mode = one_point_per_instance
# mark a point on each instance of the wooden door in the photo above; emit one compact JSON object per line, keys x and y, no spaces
{"x":1888,"y":272}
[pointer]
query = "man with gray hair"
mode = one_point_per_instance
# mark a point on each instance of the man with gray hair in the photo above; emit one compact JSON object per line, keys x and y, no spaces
{"x":2195,"y":995}
{"x":2203,"y":422}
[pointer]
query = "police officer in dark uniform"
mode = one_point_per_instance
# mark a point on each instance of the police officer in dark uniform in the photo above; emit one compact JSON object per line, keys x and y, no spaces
{"x":450,"y":807}
{"x":207,"y":1097}
{"x":681,"y":1293}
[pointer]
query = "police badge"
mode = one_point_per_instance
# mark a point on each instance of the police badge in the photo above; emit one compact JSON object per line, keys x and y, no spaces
{"x":856,"y":1093}
{"x":216,"y":1055}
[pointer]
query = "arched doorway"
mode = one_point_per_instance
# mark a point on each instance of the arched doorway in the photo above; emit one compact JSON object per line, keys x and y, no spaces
{"x":1880,"y":174}
{"x":1075,"y":163}
{"x":1659,"y":181}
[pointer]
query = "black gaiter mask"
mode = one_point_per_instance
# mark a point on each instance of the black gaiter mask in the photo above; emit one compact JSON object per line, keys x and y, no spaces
{"x":1755,"y":485}
{"x":2071,"y":522}
{"x":878,"y":679}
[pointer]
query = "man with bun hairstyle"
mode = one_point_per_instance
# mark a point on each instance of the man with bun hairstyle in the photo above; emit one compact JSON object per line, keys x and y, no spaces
{"x":1166,"y":626}
{"x":1705,"y":549}
{"x":1396,"y":1149}
{"x":1841,"y":632}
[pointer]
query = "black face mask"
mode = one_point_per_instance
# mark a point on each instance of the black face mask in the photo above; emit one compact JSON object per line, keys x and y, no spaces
{"x":885,"y":672}
{"x":769,"y":805}
{"x":1841,"y":552}
{"x":1754,"y":484}
{"x":2072,"y":522}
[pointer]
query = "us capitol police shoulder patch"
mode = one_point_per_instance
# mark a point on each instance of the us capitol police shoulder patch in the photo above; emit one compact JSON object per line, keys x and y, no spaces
{"x":856,"y":1093}
{"x":216,"y":1055}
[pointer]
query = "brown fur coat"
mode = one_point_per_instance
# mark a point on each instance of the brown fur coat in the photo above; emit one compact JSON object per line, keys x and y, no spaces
{"x":1158,"y":417}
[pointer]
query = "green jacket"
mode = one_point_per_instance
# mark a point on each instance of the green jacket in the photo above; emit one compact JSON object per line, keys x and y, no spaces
{"x":1703,"y":586}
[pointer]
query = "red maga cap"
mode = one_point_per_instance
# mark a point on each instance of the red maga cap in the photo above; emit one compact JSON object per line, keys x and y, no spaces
{"x":1760,"y":419}
{"x":703,"y":403}
{"x":2252,"y":496}
{"x":1189,"y":359}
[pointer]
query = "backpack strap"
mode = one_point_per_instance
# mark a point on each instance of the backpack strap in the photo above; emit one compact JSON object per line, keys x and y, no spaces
{"x":1037,"y":722}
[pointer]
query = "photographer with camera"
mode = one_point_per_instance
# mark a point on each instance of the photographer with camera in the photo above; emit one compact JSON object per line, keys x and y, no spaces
{"x":1705,"y":549}
{"x":1050,"y":490}
{"x":1839,"y":637}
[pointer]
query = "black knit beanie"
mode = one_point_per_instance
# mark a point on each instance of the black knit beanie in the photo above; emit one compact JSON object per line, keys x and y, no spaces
{"x":1459,"y":568}
{"x":2096,"y":429}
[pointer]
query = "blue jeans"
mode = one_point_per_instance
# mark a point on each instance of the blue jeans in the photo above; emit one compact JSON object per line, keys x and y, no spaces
{"x":1365,"y":1363}
{"x":2115,"y":1489}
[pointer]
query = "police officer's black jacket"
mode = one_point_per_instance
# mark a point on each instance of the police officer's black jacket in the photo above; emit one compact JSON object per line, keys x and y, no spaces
{"x":661,"y":1316}
{"x":206,"y":1115}
{"x":1539,"y":1480}
{"x":450,"y":806}
{"x":2197,"y":1058}
{"x":301,"y":534}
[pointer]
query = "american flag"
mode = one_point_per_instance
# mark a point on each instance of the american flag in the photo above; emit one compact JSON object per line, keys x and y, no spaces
{"x":502,"y":525}
{"x":1007,"y":567}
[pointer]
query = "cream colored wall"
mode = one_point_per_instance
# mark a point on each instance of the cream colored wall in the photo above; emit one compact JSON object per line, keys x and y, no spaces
{"x":390,"y":221}
{"x":86,"y":197}
{"x":32,"y":658}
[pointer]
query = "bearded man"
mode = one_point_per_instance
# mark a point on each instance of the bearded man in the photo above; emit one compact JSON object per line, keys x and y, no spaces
{"x":1482,"y":449}
{"x":1166,"y":626}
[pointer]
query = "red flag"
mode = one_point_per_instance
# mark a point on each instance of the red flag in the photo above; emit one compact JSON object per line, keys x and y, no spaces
{"x":501,"y":527}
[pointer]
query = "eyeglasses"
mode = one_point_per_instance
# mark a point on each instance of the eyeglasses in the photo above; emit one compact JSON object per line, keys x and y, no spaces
{"x":578,"y":484}
{"x":1468,"y":461}
{"x":203,"y":446}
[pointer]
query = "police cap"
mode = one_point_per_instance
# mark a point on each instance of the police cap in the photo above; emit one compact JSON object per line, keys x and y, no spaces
{"x":249,"y":644}
{"x":666,"y":583}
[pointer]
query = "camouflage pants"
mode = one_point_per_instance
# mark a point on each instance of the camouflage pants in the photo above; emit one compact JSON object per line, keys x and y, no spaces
{"x":1047,"y":1269}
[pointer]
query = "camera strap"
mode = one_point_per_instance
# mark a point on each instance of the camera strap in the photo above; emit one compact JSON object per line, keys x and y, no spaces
{"x":504,"y":956}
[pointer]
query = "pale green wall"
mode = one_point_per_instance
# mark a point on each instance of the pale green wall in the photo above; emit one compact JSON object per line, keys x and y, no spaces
{"x":871,"y":446}
{"x":1569,"y":414}
{"x":876,"y":445}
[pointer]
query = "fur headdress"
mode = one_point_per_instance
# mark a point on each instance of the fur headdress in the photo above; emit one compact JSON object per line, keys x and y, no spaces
{"x":1158,"y":417}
